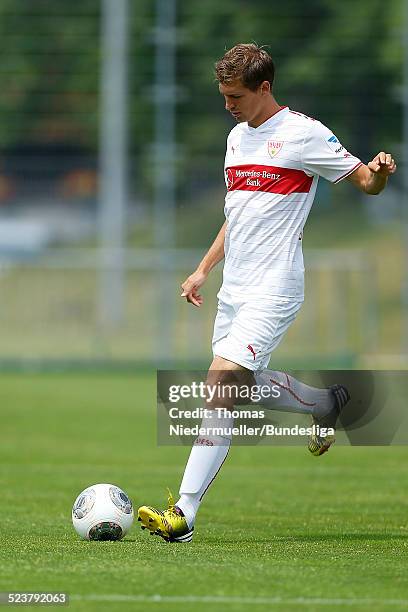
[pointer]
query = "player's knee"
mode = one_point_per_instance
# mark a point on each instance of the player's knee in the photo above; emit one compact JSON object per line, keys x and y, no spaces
{"x":224,"y":386}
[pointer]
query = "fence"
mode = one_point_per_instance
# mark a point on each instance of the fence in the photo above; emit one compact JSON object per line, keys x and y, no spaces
{"x":50,"y":309}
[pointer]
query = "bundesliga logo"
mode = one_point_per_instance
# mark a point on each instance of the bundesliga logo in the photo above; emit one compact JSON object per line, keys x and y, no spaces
{"x":230,"y":178}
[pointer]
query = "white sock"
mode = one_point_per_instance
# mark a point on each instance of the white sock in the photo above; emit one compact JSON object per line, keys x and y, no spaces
{"x":295,"y":396}
{"x":206,"y":458}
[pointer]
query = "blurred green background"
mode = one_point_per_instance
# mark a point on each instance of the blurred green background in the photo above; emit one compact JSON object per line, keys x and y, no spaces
{"x":71,"y":293}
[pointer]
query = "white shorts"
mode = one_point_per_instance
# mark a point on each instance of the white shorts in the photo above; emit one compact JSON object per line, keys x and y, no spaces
{"x":246,"y":332}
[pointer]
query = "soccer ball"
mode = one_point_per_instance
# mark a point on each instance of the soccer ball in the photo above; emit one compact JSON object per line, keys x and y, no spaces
{"x":102,"y":512}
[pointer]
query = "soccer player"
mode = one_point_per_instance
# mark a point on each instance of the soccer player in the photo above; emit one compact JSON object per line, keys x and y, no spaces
{"x":273,"y":162}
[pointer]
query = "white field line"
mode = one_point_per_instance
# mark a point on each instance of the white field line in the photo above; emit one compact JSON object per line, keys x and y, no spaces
{"x":183,"y":599}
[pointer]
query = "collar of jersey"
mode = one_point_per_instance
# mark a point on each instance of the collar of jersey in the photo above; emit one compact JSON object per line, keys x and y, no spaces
{"x":269,"y":122}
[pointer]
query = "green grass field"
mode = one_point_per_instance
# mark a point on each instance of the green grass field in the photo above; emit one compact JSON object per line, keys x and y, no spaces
{"x":279,"y":529}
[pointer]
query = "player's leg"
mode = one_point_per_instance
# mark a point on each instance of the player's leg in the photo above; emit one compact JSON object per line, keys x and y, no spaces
{"x":176,"y":524}
{"x":259,"y":327}
{"x":210,"y":451}
{"x":288,"y":394}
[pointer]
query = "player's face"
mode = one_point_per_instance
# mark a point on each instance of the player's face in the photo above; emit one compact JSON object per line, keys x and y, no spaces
{"x":244,"y":104}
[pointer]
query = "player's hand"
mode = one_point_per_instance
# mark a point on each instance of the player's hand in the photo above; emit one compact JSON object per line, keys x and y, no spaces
{"x":383,"y":164}
{"x":190,"y":288}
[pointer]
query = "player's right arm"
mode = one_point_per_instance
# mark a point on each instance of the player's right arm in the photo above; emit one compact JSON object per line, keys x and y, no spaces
{"x":213,"y":256}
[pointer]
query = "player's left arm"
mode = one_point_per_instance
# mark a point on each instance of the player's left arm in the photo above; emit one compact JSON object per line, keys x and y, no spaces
{"x":373,"y":178}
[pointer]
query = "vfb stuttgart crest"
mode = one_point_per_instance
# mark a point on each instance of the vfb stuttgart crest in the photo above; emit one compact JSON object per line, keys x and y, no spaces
{"x":274,"y":146}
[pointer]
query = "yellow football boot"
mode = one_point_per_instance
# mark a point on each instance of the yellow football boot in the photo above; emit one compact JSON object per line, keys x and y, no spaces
{"x":169,"y":525}
{"x":320,"y":444}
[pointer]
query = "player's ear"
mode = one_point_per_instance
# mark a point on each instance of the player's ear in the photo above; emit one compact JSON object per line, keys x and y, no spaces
{"x":265,"y":88}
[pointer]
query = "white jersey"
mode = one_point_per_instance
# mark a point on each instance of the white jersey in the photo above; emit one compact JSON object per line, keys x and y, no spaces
{"x":271,"y":173}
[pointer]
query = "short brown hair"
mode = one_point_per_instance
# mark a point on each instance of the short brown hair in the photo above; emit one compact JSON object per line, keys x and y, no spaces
{"x":247,"y":62}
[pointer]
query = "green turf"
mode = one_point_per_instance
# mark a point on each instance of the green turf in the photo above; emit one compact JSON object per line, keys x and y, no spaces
{"x":286,"y":530}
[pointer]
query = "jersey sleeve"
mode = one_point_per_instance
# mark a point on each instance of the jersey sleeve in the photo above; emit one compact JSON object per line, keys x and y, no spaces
{"x":324,"y":155}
